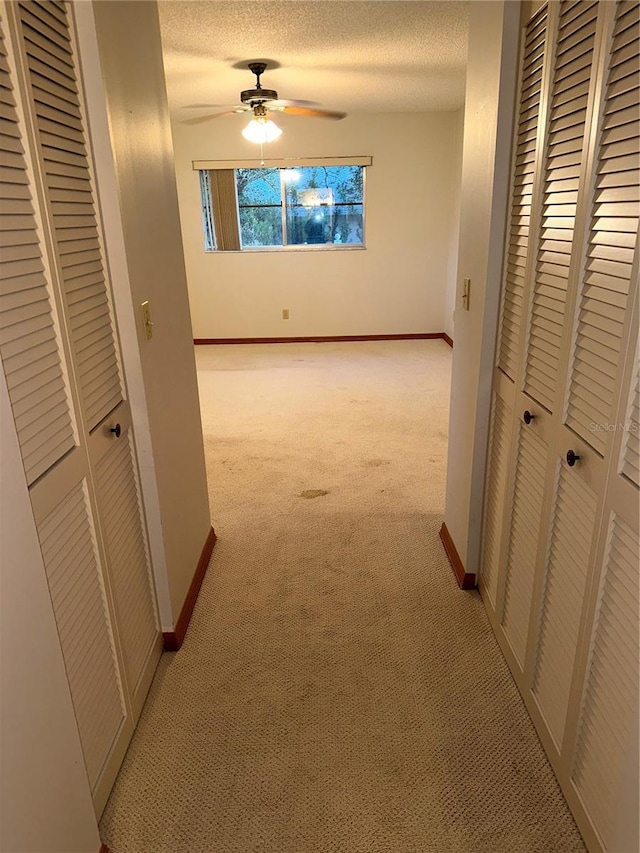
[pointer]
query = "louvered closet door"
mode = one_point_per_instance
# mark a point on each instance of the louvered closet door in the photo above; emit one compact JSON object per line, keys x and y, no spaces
{"x":603,"y":743}
{"x":560,"y":538}
{"x":120,"y":510}
{"x":71,"y":205}
{"x":524,"y":533}
{"x":496,"y":548}
{"x":606,"y":278}
{"x":517,"y":250}
{"x":563,"y":167}
{"x":498,"y":481}
{"x":593,"y":387}
{"x":29,"y":342}
{"x":538,"y":473}
{"x":64,"y":158}
{"x":66,"y":522}
{"x":87,"y":505}
{"x":560,"y":503}
{"x":602,"y":408}
{"x":51,"y":436}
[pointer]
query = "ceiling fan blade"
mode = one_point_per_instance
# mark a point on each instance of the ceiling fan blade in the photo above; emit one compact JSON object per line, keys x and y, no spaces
{"x":307,"y":111}
{"x":206,"y":106}
{"x":211,"y":116}
{"x":289,"y":103}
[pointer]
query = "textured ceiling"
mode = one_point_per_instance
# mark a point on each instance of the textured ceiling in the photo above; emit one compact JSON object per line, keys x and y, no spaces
{"x":357,"y":56}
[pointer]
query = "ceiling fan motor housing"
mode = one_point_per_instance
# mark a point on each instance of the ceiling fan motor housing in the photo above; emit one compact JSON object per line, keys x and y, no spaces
{"x":258,"y":95}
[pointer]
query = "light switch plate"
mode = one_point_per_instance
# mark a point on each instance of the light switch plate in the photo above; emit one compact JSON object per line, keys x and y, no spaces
{"x":146,"y":319}
{"x":466,"y":289}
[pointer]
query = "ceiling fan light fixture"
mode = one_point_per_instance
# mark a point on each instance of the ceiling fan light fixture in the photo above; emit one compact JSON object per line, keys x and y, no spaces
{"x":261,"y":130}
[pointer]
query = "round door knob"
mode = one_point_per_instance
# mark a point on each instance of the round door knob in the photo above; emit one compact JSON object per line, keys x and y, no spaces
{"x":572,"y":458}
{"x":116,"y":430}
{"x":527,"y":417}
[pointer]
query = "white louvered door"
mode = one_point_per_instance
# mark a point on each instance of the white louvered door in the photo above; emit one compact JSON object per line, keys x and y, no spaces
{"x":45,"y":406}
{"x":526,"y":144}
{"x":560,"y":543}
{"x":525,"y":518}
{"x":497,"y":484}
{"x":603,"y":758}
{"x":499,"y":583}
{"x":122,"y":524}
{"x":40,"y":399}
{"x":592,"y":388}
{"x":60,"y":353}
{"x":574,"y":491}
{"x":72,"y":212}
{"x":603,"y":761}
{"x":562,"y":169}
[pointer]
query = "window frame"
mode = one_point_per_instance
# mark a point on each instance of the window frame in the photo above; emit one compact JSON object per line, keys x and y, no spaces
{"x":208,"y":218}
{"x":239,"y":207}
{"x":206,"y":205}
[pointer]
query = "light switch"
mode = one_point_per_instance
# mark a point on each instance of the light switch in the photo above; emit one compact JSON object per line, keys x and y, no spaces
{"x":146,"y":319}
{"x":466,"y":289}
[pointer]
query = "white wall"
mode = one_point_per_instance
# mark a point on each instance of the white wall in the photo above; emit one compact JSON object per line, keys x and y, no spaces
{"x":126,"y":316}
{"x":489,"y":108}
{"x":45,"y":799}
{"x":144,"y":222}
{"x":456,"y":197}
{"x":396,"y":285}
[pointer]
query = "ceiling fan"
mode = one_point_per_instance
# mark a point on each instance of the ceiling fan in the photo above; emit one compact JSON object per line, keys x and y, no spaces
{"x":261,"y":102}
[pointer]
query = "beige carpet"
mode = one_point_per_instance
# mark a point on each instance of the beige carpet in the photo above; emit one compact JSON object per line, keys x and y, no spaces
{"x":336,"y":691}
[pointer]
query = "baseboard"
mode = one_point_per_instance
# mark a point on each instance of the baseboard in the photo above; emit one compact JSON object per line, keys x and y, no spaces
{"x":447,"y":339}
{"x":465,"y":581}
{"x":320,"y":339}
{"x":173,"y":639}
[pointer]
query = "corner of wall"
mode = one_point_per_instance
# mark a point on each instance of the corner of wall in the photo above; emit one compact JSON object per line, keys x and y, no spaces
{"x":490,"y":104}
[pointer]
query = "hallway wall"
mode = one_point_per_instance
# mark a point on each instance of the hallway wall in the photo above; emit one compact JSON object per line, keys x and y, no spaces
{"x":143,"y":235}
{"x":398,"y":284}
{"x":491,"y":80}
{"x":454,"y":237}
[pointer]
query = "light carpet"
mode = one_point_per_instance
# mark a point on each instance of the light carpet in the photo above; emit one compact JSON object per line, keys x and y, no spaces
{"x":336,"y":692}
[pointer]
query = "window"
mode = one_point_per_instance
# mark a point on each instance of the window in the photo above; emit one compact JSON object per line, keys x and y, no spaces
{"x":294,"y":206}
{"x":259,"y":195}
{"x":207,"y":214}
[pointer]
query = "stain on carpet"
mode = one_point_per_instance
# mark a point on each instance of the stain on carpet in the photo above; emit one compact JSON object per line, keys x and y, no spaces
{"x":314,"y":493}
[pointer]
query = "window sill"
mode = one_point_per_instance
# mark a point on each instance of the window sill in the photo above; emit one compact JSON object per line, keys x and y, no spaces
{"x":304,"y":247}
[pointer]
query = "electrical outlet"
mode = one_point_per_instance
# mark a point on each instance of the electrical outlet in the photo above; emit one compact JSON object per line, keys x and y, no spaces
{"x":285,"y":313}
{"x":466,"y":290}
{"x":146,"y":319}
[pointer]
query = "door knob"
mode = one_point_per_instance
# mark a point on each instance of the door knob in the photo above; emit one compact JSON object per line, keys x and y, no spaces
{"x":527,"y":417}
{"x":572,"y":458}
{"x":116,"y":430}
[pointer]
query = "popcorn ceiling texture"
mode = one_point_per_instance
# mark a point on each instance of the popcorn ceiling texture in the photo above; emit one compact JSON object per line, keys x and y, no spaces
{"x":336,"y":692}
{"x":356,"y":56}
